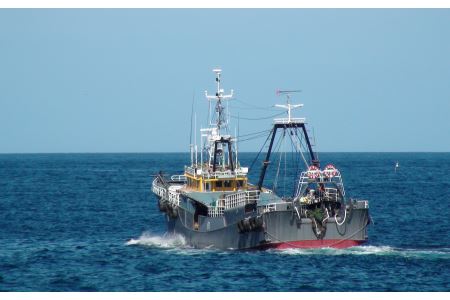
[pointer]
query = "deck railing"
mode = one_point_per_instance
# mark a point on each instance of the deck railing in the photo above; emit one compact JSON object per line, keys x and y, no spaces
{"x":331,"y":194}
{"x":174,"y":197}
{"x":209,"y":174}
{"x":172,"y":194}
{"x":267,"y":208}
{"x":158,"y":189}
{"x":215,"y":211}
{"x":304,"y":180}
{"x":241,"y":199}
{"x":178,"y":178}
{"x":234,"y":200}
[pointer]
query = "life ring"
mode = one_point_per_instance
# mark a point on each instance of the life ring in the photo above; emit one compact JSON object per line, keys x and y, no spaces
{"x":330,"y":171}
{"x":313,"y":172}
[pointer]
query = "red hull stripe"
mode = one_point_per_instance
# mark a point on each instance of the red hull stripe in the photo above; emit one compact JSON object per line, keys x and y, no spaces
{"x":314,"y":244}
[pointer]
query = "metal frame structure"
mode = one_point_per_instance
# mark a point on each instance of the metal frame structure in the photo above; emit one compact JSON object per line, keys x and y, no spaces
{"x":284,"y":123}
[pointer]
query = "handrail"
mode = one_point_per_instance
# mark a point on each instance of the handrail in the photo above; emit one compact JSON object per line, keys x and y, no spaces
{"x":267,"y":208}
{"x":215,"y":211}
{"x":304,"y":180}
{"x":331,"y":193}
{"x":241,"y":198}
{"x":173,"y":196}
{"x":178,"y":177}
{"x":234,"y":200}
{"x":158,"y":189}
{"x":218,"y":174}
{"x":288,"y":120}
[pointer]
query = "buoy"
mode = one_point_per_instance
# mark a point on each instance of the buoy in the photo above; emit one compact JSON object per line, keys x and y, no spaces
{"x":313,"y":172}
{"x":330,"y":171}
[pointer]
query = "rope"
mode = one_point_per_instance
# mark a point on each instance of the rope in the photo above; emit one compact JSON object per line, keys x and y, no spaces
{"x":345,"y":216}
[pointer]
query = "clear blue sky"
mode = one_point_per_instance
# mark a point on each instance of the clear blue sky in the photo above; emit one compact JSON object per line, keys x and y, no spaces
{"x":123,"y":80}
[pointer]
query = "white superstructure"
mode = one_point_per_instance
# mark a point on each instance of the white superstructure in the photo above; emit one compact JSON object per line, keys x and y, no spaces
{"x":217,"y":168}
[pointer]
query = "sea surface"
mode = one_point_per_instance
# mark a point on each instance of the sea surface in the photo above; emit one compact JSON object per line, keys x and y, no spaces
{"x":89,"y":222}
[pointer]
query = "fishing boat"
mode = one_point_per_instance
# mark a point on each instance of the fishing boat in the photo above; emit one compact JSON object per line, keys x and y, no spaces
{"x":212,"y":204}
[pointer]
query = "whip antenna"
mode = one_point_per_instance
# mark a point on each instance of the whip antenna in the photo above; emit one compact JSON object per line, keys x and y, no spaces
{"x":190,"y":135}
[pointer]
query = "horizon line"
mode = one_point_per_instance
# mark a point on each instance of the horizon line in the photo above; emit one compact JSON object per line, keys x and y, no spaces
{"x":186,"y":152}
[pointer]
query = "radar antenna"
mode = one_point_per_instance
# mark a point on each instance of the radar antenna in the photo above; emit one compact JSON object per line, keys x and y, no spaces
{"x":288,"y":106}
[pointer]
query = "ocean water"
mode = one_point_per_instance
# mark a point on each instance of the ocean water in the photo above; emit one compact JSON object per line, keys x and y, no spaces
{"x":89,"y":222}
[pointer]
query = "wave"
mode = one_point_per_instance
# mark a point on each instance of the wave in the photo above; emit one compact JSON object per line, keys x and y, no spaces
{"x":165,"y":241}
{"x":178,"y":244}
{"x":438,"y":253}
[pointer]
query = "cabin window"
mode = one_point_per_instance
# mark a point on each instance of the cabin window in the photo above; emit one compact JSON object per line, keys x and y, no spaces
{"x":240,"y":183}
{"x":218,"y":184}
{"x":227,"y":183}
{"x":207,"y":186}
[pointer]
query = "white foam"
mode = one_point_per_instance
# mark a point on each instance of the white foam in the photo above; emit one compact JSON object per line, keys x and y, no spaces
{"x":404,"y":252}
{"x":158,"y":241}
{"x":178,"y":244}
{"x":371,"y":250}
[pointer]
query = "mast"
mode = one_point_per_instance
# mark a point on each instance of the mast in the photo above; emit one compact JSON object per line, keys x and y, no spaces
{"x":285,"y":123}
{"x":220,"y":119}
{"x":216,"y":136}
{"x":218,"y":169}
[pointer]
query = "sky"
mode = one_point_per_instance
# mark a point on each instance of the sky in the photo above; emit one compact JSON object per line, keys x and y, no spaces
{"x":123,"y":80}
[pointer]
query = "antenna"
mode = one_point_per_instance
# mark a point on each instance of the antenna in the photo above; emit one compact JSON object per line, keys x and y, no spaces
{"x":288,"y":105}
{"x":221,"y":118}
{"x":196,"y":155}
{"x":287,"y":93}
{"x":237,"y":141}
{"x":190,"y":135}
{"x":280,"y":92}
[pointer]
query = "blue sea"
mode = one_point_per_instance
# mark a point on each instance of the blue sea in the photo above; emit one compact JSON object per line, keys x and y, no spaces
{"x":89,"y":222}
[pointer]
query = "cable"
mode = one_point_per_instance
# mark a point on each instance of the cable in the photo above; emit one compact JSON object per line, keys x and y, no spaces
{"x":256,"y":119}
{"x":278,"y":146}
{"x":254,"y":106}
{"x":294,"y":158}
{"x":254,"y":137}
{"x":300,"y":150}
{"x":251,"y":166}
{"x":254,"y":133}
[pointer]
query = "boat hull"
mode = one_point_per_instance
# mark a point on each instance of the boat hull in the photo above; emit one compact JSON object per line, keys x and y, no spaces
{"x":280,"y":230}
{"x":329,"y":243}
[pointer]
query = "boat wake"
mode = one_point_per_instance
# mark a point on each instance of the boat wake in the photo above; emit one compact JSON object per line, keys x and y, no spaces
{"x":177,"y":242}
{"x":432,"y":254}
{"x":166,"y":241}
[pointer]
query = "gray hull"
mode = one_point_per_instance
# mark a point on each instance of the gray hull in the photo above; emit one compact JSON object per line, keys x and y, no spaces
{"x":279,"y":229}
